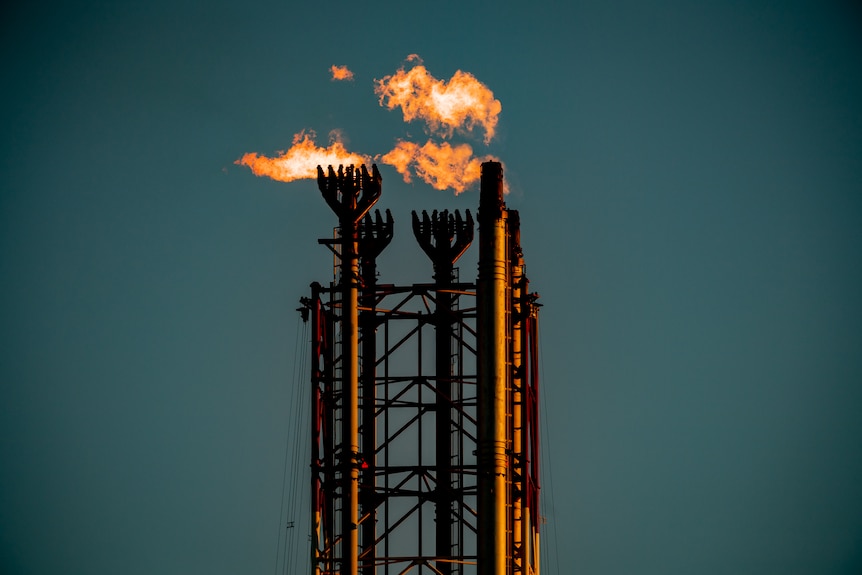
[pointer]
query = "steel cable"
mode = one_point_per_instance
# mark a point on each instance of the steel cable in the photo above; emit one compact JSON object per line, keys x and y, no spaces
{"x":294,"y":451}
{"x":547,"y":468}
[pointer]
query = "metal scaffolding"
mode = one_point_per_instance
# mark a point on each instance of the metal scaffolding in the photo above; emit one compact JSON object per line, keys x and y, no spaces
{"x":424,"y":446}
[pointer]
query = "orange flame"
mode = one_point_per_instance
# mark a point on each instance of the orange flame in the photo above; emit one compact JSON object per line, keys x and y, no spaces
{"x":442,"y":166}
{"x":340,"y":73}
{"x":461,"y":104}
{"x":301,"y":160}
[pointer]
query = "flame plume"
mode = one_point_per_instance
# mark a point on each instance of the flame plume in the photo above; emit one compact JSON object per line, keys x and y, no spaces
{"x":301,"y":160}
{"x":442,"y":166}
{"x":463,"y":103}
{"x":340,"y":73}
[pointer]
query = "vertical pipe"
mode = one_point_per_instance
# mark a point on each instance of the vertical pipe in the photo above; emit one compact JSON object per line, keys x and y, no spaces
{"x":329,"y":441}
{"x":492,"y":373}
{"x":444,"y":237}
{"x":315,"y":427}
{"x":519,"y":455}
{"x":349,"y":397}
{"x":419,"y":443}
{"x":350,"y":193}
{"x":374,"y":234}
{"x":368,"y":329}
{"x":532,"y":348}
{"x":444,"y":417}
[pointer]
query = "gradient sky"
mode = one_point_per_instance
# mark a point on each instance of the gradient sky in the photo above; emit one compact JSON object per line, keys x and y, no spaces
{"x":689,"y":177}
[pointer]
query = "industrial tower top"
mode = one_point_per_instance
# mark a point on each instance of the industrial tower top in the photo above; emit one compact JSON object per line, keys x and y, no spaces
{"x":425,"y":431}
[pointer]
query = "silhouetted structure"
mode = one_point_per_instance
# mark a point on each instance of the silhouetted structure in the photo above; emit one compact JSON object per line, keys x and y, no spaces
{"x":424,"y":448}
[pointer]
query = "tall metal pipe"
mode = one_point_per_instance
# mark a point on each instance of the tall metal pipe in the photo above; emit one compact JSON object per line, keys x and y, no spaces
{"x":341,"y":191}
{"x":491,"y":294}
{"x":349,"y":401}
{"x":316,"y":376}
{"x":519,"y":451}
{"x":373,"y":235}
{"x":444,"y":237}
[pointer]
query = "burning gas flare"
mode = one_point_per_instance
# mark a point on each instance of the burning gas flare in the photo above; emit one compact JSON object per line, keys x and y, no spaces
{"x":340,"y":73}
{"x":442,"y":166}
{"x":463,"y":103}
{"x":302,"y":159}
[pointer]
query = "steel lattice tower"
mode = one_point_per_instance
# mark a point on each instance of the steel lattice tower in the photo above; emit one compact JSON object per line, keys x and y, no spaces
{"x":424,"y":440}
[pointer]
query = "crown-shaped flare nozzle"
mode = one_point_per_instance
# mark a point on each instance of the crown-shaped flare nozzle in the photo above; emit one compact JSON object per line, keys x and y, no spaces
{"x":374,"y":234}
{"x":350,"y":193}
{"x":444,"y":237}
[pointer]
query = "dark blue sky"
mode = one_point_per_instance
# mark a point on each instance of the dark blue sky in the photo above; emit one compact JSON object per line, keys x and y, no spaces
{"x":690,"y":186}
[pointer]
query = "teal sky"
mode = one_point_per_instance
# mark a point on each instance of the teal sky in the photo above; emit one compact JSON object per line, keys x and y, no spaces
{"x":689,"y":178}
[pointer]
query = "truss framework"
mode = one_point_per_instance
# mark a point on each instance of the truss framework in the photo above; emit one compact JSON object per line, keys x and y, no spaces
{"x":400,"y":493}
